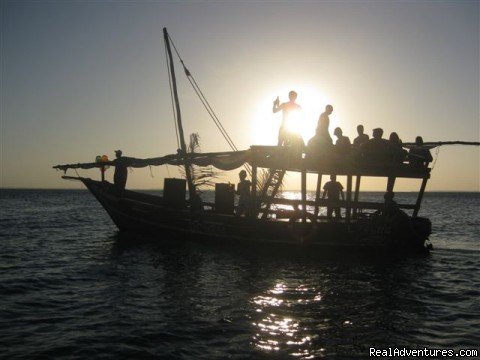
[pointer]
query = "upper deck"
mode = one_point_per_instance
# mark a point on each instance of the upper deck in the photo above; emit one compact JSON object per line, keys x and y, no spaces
{"x":275,"y":157}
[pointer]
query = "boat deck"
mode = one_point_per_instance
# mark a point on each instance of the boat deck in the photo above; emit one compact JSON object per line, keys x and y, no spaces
{"x":275,"y":157}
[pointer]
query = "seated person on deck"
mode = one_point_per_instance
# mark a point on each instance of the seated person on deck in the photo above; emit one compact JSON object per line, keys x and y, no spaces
{"x":392,"y":212}
{"x":396,"y":148}
{"x":377,"y":148}
{"x":333,"y":190}
{"x":320,"y":145}
{"x":390,"y":205}
{"x":343,"y":146}
{"x":419,"y":156}
{"x":361,"y":138}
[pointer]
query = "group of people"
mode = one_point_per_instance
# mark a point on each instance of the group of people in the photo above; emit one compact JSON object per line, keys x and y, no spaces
{"x":320,"y":145}
{"x":376,"y":149}
{"x":332,"y":190}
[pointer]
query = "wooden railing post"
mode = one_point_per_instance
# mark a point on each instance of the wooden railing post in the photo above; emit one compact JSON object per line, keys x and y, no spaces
{"x":357,"y":191}
{"x":304,"y":194}
{"x":254,"y":191}
{"x":420,"y":196}
{"x":348,"y":206}
{"x":317,"y":193}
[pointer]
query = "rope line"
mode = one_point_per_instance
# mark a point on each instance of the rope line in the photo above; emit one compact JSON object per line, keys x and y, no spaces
{"x":203,"y":99}
{"x":206,"y":104}
{"x":437,"y":152}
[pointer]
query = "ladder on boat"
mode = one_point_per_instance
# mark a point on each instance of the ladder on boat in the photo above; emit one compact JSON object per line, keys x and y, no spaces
{"x":270,"y":189}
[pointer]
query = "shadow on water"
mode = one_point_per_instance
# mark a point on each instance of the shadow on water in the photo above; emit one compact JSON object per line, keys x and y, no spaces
{"x":256,"y":301}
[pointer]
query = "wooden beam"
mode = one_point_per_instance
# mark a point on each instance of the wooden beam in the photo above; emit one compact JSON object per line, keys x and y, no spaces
{"x":391,"y":183}
{"x":361,"y":204}
{"x":254,"y":191}
{"x":304,"y":195}
{"x":348,"y":205}
{"x":317,"y":193}
{"x":420,"y":196}
{"x":357,"y":191}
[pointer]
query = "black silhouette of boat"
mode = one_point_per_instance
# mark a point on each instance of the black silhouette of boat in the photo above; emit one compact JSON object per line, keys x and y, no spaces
{"x":272,"y":219}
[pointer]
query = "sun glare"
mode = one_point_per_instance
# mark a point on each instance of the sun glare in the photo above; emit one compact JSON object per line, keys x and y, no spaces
{"x":265,"y":123}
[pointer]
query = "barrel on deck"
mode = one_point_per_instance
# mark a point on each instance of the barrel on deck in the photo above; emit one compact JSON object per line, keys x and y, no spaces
{"x":224,"y":198}
{"x":174,"y":191}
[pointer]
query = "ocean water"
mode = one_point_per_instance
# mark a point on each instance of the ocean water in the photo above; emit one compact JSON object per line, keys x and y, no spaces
{"x":72,"y":287}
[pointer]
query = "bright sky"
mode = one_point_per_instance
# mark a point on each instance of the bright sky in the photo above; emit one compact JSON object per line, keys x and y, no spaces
{"x":84,"y":78}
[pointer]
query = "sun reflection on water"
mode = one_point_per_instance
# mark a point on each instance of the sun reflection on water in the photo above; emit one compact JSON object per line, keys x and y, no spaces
{"x":276,"y":329}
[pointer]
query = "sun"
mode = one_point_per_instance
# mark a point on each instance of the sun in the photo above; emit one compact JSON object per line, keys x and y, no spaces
{"x":265,"y":124}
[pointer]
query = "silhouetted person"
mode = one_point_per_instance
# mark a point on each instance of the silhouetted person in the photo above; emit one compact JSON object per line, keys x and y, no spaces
{"x":324,"y":123}
{"x":333,"y":190}
{"x":377,"y":148}
{"x":361,"y":138}
{"x":196,"y":203}
{"x":244,"y":193}
{"x":396,"y":148}
{"x":342,"y":145}
{"x":390,"y":205}
{"x":288,"y":109}
{"x":121,"y":171}
{"x":392,"y":210}
{"x":324,"y":119}
{"x":394,"y":140}
{"x":419,"y":156}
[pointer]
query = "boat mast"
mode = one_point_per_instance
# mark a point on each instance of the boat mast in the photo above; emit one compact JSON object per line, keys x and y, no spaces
{"x":183,"y":146}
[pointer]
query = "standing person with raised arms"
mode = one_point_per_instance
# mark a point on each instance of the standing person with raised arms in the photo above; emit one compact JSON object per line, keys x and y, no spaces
{"x":288,"y":110}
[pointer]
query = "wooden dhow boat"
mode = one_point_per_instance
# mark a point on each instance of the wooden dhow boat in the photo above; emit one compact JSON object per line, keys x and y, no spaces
{"x":271,"y":219}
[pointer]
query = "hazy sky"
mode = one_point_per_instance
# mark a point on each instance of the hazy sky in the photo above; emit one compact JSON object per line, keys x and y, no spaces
{"x":84,"y":78}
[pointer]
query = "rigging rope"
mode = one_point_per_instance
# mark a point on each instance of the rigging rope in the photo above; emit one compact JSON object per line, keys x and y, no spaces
{"x":207,"y":105}
{"x":437,"y":152}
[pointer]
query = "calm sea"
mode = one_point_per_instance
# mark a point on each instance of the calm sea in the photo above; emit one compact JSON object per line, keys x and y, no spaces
{"x":72,"y":288}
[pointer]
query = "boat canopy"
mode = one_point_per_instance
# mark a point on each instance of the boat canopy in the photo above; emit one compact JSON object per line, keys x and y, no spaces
{"x":268,"y":157}
{"x":225,"y":161}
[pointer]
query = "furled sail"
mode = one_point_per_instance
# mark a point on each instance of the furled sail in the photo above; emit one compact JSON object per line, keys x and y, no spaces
{"x":221,"y":160}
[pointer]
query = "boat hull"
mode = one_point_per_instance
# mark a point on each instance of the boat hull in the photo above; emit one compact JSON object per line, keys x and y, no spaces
{"x":146,"y":214}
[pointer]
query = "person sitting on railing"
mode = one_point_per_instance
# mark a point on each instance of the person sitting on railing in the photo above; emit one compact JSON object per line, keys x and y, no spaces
{"x":333,"y":190}
{"x":396,"y":148}
{"x":419,"y":156}
{"x":377,"y":148}
{"x":343,"y":147}
{"x":244,"y":193}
